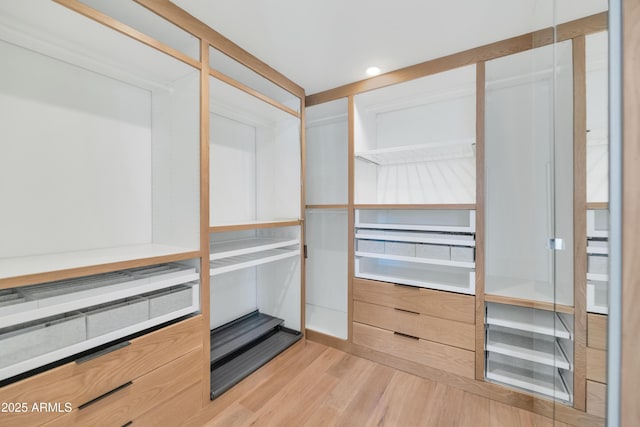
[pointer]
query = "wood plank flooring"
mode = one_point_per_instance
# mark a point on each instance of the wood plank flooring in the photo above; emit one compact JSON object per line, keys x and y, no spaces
{"x":315,"y":385}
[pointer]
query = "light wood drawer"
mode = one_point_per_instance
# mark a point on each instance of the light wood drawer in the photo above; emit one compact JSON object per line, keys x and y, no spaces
{"x":174,"y":411}
{"x":451,"y":359}
{"x":81,"y":381}
{"x":445,"y":305}
{"x":597,"y":331}
{"x":596,"y":398}
{"x":133,"y":399}
{"x":596,"y":365}
{"x":450,"y":332}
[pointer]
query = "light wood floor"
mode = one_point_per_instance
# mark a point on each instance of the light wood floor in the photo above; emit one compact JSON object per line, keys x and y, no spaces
{"x":315,"y":385}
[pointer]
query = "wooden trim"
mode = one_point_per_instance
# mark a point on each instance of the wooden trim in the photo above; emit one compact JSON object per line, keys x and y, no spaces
{"x":596,"y":398}
{"x":460,"y":59}
{"x":232,"y":82}
{"x":462,"y":206}
{"x":205,"y":289}
{"x":192,"y":25}
{"x":327,"y":206}
{"x":328,"y":340}
{"x":597,"y":205}
{"x":549,"y":306}
{"x":480,"y":220}
{"x":70,"y":273}
{"x":118,"y":26}
{"x":583,"y":26}
{"x":351,"y":112}
{"x":579,"y":222}
{"x":597,"y":365}
{"x":489,"y":390}
{"x":303,"y":198}
{"x":253,"y":226}
{"x":629,"y":366}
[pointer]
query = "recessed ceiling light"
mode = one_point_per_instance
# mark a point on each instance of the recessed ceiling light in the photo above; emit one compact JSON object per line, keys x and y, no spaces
{"x":373,"y":71}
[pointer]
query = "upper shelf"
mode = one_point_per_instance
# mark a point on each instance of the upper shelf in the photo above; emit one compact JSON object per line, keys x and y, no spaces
{"x":253,"y":225}
{"x":433,"y":151}
{"x":452,"y":221}
{"x":41,"y":268}
{"x":238,"y":262}
{"x":231,"y":248}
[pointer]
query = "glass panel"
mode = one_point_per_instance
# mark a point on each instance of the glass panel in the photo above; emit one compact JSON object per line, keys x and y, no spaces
{"x":232,"y":68}
{"x":142,"y":19}
{"x":327,"y":144}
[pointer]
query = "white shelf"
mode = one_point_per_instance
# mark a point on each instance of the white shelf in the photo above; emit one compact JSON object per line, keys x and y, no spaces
{"x":596,"y":277}
{"x":37,"y":264}
{"x":540,"y":379}
{"x":49,"y":299}
{"x":256,"y":223}
{"x":239,"y":262}
{"x":444,"y":262}
{"x":231,"y":248}
{"x":597,"y":298}
{"x":417,"y":237}
{"x":87,"y":344}
{"x":539,"y":349}
{"x":449,"y":221}
{"x":527,"y":319}
{"x":433,"y":151}
{"x":416,"y":275}
{"x":597,"y":250}
{"x":523,"y":289}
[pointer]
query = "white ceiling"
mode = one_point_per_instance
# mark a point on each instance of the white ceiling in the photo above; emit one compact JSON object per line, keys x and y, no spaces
{"x":327,"y":43}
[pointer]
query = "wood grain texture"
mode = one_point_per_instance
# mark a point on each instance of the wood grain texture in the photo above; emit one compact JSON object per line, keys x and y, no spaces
{"x":598,"y":205}
{"x":480,"y":220}
{"x":464,"y":206}
{"x":326,"y":206}
{"x":449,"y":332}
{"x":80,"y":383}
{"x":597,"y":331}
{"x":118,"y":26}
{"x":253,"y":226}
{"x":445,"y":305}
{"x":579,"y":221}
{"x":50,"y":276}
{"x":447,"y":358}
{"x":189,"y":23}
{"x":596,"y":398}
{"x":597,"y":365}
{"x":142,"y":396}
{"x":583,"y":26}
{"x":240,"y":86}
{"x":205,"y":177}
{"x":629,"y":366}
{"x":361,"y":392}
{"x":529,"y":303}
{"x":351,"y":167}
{"x":174,"y":410}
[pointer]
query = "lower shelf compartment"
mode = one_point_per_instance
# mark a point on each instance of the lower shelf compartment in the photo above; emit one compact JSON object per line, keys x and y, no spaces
{"x":240,"y":347}
{"x":541,"y":379}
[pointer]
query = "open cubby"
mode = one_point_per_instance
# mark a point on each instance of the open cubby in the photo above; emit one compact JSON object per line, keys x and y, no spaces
{"x":113,"y":163}
{"x":415,"y":141}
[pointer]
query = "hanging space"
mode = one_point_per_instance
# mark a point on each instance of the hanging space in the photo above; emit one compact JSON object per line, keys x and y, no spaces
{"x":255,"y":225}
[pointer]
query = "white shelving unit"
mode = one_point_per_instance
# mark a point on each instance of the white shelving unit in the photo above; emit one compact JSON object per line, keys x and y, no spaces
{"x":252,"y":258}
{"x":426,"y":248}
{"x":531,"y":349}
{"x":44,"y":323}
{"x":597,"y":261}
{"x":428,"y":152}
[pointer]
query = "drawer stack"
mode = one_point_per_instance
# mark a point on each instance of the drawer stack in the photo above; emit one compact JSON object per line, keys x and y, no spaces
{"x":153,"y":377}
{"x":596,"y":364}
{"x":425,"y":326}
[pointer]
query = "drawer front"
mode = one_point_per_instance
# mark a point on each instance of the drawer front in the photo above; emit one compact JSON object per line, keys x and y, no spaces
{"x":597,"y":331}
{"x":451,"y":359}
{"x":77,"y":383}
{"x":174,"y":411}
{"x":134,"y":399}
{"x":596,"y":365}
{"x":596,"y":398}
{"x":449,"y":332}
{"x":445,"y":305}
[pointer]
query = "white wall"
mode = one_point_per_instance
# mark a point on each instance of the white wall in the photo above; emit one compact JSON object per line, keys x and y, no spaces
{"x":327,"y":163}
{"x":75,"y":169}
